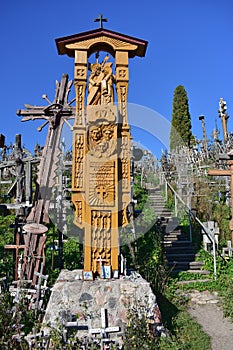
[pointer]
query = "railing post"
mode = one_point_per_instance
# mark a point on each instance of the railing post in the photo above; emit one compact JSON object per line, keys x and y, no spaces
{"x":214,"y":252}
{"x":190,"y":227}
{"x":166,"y":190}
{"x":176,"y":211}
{"x":142,"y":173}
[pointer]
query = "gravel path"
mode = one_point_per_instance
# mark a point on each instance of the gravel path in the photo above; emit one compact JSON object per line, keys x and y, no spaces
{"x":210,"y":316}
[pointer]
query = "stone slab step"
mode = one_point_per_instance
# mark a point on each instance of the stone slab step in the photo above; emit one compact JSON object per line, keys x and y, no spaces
{"x":173,"y":245}
{"x":173,"y":239}
{"x":201,"y":272}
{"x":179,"y":250}
{"x":177,"y":244}
{"x":199,"y":280}
{"x":156,"y":195}
{"x":171,"y":231}
{"x":161,"y":209}
{"x":172,"y":251}
{"x":176,"y":239}
{"x":181,"y":256}
{"x":188,"y":257}
{"x":177,"y":232}
{"x":185,"y":265}
{"x":163,"y":215}
{"x":156,"y":199}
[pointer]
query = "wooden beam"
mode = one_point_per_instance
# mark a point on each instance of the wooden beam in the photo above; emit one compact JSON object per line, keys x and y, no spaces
{"x":219,"y":172}
{"x":14,"y":246}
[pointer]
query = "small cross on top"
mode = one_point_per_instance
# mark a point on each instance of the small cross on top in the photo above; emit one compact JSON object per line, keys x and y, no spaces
{"x":100,"y":19}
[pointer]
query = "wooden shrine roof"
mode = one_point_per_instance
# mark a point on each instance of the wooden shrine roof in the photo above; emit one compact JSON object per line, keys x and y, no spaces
{"x":104,"y":39}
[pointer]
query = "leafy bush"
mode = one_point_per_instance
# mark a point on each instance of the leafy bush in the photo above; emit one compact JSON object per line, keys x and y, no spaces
{"x":15,"y":319}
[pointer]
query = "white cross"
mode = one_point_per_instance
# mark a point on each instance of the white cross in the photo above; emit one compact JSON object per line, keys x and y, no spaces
{"x":100,"y":260}
{"x":104,"y":330}
{"x":39,"y":287}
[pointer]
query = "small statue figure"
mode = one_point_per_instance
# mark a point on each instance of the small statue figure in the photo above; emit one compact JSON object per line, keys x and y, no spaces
{"x":100,"y":89}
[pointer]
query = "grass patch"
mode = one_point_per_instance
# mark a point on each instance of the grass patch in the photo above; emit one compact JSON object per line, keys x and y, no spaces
{"x":184,"y":332}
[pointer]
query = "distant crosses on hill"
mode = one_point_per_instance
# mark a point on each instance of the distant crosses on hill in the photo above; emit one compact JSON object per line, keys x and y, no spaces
{"x":222,"y":112}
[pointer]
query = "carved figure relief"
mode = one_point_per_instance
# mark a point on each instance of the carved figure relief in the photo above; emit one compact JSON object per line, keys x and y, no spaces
{"x":100,"y":88}
{"x":101,"y":239}
{"x":102,"y":141}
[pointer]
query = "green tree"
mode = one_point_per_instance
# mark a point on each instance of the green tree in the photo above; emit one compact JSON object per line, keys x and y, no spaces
{"x":180,"y":132}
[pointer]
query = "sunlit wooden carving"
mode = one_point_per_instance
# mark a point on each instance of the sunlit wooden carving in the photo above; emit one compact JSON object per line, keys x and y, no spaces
{"x":101,"y":140}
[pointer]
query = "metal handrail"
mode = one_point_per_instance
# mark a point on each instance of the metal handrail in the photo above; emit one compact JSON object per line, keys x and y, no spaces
{"x":209,"y":234}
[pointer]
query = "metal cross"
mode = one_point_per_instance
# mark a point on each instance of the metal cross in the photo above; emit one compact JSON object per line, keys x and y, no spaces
{"x":104,"y":330}
{"x":101,"y":20}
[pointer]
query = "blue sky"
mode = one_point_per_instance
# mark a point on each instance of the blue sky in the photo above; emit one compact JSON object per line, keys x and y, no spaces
{"x":190,"y":43}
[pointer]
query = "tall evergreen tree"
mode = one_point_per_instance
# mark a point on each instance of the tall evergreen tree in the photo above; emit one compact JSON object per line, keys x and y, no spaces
{"x":180,"y":132}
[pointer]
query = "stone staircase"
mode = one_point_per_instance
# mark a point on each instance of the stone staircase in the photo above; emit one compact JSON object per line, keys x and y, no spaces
{"x":179,"y":251}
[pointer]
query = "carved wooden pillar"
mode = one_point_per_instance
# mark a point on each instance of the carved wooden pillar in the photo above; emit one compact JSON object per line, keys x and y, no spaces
{"x":101,"y":141}
{"x":122,"y":81}
{"x":80,"y":82}
{"x":79,"y":138}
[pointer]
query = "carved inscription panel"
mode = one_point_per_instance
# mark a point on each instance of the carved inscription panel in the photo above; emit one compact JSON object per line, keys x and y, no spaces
{"x":102,"y":183}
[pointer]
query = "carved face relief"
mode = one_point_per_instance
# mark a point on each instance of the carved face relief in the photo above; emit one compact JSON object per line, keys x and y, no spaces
{"x":95,"y":69}
{"x":107,"y":133}
{"x":95,"y":134}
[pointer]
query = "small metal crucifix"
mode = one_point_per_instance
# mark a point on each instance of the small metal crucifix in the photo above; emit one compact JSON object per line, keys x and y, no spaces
{"x":104,"y":330}
{"x":100,"y":19}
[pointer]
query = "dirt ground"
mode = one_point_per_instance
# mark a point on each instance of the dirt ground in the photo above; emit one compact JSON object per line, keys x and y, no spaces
{"x":210,"y":317}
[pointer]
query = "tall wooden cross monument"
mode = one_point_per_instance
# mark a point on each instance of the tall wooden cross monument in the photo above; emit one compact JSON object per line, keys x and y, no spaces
{"x":101,"y":139}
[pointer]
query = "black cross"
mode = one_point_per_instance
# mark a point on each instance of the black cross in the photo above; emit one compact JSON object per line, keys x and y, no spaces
{"x":101,"y":20}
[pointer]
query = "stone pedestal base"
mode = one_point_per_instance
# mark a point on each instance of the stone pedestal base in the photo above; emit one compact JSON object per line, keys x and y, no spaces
{"x":74,"y":299}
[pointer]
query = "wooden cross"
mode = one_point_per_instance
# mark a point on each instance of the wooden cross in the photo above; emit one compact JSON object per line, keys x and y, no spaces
{"x":58,"y":112}
{"x":100,"y":19}
{"x":225,"y":172}
{"x":100,"y":260}
{"x":16,"y":248}
{"x":104,"y":330}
